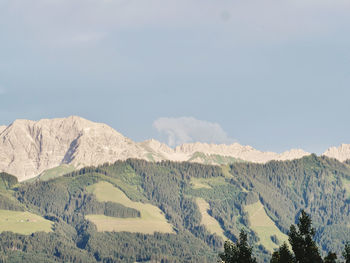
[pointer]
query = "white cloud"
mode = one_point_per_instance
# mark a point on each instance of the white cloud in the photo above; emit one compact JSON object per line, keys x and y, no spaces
{"x":188,"y":129}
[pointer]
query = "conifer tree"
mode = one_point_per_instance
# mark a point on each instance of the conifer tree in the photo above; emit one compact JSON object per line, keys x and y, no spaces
{"x":301,"y":239}
{"x":240,"y":252}
{"x":346,"y":252}
{"x":330,"y":258}
{"x":282,"y":255}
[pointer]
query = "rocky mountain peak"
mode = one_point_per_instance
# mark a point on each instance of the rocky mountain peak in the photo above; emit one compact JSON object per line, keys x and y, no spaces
{"x":27,"y":148}
{"x":341,"y":153}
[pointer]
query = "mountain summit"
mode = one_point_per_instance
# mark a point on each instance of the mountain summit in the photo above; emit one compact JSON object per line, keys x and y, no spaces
{"x":341,"y":153}
{"x":28,"y":148}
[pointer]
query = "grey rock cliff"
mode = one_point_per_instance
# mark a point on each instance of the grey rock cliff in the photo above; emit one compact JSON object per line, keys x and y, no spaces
{"x":27,"y":148}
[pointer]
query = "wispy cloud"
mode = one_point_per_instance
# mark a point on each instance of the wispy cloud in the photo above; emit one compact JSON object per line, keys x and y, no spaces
{"x":188,"y":129}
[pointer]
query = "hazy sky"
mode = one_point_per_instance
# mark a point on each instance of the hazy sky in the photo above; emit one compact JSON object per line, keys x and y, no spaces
{"x":272,"y":74}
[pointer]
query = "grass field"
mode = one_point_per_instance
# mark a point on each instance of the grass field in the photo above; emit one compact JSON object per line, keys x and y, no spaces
{"x":207,"y":183}
{"x":52,"y":173}
{"x":208,"y":221}
{"x":263,"y":226}
{"x":197,"y":183}
{"x":23,"y":222}
{"x":152,"y":218}
{"x":133,"y":191}
{"x":226,"y":171}
{"x":56,"y":172}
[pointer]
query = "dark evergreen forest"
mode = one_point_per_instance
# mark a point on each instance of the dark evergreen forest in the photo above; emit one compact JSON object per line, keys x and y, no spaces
{"x":314,"y":184}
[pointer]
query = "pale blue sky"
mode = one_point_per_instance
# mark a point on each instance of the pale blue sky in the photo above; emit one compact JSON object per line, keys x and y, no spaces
{"x":268,"y":73}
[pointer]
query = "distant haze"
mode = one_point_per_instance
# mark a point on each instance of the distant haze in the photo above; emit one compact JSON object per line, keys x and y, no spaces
{"x":273,"y":75}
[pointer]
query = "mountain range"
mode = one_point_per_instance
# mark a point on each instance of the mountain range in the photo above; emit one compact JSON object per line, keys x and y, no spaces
{"x":90,"y":194}
{"x":29,"y":148}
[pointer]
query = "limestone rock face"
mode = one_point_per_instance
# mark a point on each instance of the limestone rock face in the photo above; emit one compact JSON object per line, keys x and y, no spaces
{"x":235,"y":150}
{"x":2,"y":128}
{"x":186,"y":152}
{"x":27,"y":148}
{"x":341,"y":153}
{"x":246,"y":153}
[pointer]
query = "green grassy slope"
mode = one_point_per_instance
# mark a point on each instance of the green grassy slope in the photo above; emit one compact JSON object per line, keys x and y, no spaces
{"x":208,"y":221}
{"x":151,"y":218}
{"x":264,"y":227}
{"x":56,"y":172}
{"x":23,"y":222}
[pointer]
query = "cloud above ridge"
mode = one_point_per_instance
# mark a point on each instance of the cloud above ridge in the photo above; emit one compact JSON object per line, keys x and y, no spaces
{"x":188,"y":129}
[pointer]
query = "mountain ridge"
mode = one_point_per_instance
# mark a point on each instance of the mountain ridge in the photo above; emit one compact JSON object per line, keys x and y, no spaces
{"x":28,"y":148}
{"x":341,"y":153}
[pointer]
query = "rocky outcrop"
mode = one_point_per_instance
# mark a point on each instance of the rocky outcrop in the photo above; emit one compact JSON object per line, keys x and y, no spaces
{"x":246,"y":153}
{"x":186,"y":152}
{"x":27,"y":148}
{"x":341,"y":153}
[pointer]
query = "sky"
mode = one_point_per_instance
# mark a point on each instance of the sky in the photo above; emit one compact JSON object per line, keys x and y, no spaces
{"x":271,"y":74}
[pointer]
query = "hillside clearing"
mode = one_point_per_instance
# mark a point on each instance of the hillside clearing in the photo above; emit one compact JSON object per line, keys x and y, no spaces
{"x":152,"y":218}
{"x":197,"y":183}
{"x":207,"y":183}
{"x":24,"y":223}
{"x":207,"y":220}
{"x":56,"y":172}
{"x":264,"y":227}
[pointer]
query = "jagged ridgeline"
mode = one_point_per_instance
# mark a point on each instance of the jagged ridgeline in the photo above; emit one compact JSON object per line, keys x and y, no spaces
{"x":139,"y":211}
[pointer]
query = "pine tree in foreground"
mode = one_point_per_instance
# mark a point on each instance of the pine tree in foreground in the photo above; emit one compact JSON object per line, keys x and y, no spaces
{"x":282,"y":255}
{"x":330,"y":258}
{"x":302,"y":242}
{"x":346,"y":252}
{"x":240,"y":252}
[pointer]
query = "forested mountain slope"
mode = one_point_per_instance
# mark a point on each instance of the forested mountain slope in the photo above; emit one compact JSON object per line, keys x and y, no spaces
{"x":197,"y":205}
